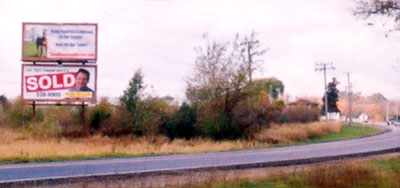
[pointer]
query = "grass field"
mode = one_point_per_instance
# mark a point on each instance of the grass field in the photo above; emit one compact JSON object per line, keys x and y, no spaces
{"x":347,"y":132}
{"x":382,"y":173}
{"x":375,"y":171}
{"x":30,"y":49}
{"x":19,"y":147}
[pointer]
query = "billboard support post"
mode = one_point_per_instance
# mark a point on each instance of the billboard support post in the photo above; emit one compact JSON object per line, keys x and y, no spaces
{"x":84,"y":128}
{"x":33,"y":111}
{"x":34,"y":105}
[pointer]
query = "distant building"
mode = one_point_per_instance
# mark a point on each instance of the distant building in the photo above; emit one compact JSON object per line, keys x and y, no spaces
{"x":334,"y":116}
{"x":363,"y":117}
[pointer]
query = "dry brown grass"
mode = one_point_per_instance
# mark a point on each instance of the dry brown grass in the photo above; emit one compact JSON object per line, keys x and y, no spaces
{"x":15,"y":145}
{"x":342,"y":176}
{"x":288,"y":133}
{"x":342,"y":173}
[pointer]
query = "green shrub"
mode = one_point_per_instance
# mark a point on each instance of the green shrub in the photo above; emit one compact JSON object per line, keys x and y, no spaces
{"x":302,"y":113}
{"x":48,"y":128}
{"x":256,"y":112}
{"x":4,"y":106}
{"x":250,"y":113}
{"x":70,"y":120}
{"x":4,"y":103}
{"x":182,"y":123}
{"x":3,"y":116}
{"x":100,"y":115}
{"x":20,"y":114}
{"x":150,"y":116}
{"x":221,"y":127}
{"x":120,"y":123}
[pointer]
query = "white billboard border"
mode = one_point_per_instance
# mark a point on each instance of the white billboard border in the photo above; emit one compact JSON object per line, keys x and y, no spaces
{"x":59,"y":60}
{"x":93,"y":100}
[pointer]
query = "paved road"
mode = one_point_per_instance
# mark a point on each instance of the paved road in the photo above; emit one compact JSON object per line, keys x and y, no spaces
{"x":260,"y":157}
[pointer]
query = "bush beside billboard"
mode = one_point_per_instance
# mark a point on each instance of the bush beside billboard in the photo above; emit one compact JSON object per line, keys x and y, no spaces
{"x":66,"y":83}
{"x":44,"y":42}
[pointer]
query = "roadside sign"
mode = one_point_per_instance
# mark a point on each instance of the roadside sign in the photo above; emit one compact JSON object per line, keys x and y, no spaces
{"x":62,"y":83}
{"x":52,"y":42}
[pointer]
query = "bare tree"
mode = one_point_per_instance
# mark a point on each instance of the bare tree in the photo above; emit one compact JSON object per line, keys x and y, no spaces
{"x":217,"y":76}
{"x":227,"y":105}
{"x":388,"y":8}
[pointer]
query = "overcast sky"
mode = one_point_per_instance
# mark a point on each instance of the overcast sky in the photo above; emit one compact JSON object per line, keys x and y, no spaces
{"x":159,"y":37}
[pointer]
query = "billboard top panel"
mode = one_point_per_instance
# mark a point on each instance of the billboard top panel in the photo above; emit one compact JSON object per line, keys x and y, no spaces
{"x":59,"y":42}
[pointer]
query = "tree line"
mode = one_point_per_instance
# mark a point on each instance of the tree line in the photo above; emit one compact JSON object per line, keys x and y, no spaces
{"x":224,"y":101}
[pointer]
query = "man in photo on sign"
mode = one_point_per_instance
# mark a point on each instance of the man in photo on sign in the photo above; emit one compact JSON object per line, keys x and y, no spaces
{"x":81,"y":81}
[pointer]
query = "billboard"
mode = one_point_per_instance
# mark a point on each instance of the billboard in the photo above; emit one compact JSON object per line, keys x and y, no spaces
{"x":63,"y":83}
{"x":71,"y":42}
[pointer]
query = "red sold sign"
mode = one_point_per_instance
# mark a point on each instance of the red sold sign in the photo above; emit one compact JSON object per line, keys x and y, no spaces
{"x":48,"y":82}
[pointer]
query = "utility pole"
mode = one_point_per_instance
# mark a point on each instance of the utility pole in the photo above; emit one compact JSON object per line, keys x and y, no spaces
{"x":324,"y":67}
{"x":387,"y":111}
{"x":350,"y":94}
{"x":251,"y":45}
{"x":397,"y":112}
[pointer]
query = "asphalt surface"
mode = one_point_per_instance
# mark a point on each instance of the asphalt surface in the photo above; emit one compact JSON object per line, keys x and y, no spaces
{"x":387,"y":142}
